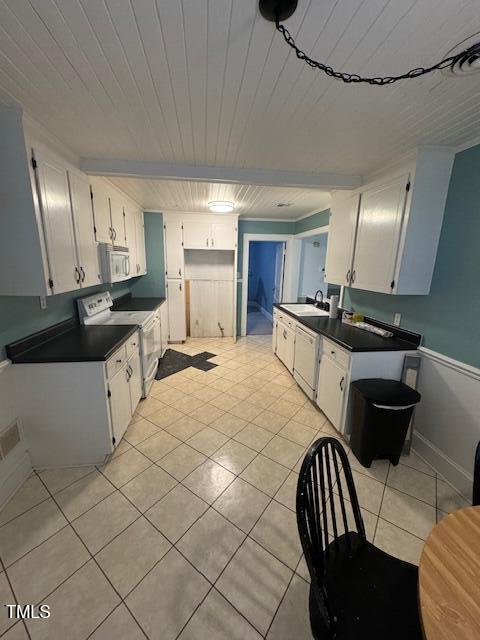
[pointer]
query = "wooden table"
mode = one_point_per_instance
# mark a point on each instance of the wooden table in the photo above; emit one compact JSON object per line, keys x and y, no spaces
{"x":449,"y":578}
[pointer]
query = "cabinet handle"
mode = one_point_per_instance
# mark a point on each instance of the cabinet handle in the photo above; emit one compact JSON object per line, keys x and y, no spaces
{"x":83,"y":274}
{"x":212,"y":242}
{"x":180,"y":285}
{"x":341,"y":382}
{"x":206,"y":242}
{"x":78,"y":276}
{"x":347,"y":277}
{"x":180,"y":272}
{"x":353,"y":276}
{"x":332,"y":352}
{"x":119,"y":360}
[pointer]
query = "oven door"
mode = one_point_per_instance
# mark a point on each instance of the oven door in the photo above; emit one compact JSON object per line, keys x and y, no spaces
{"x":151,"y":344}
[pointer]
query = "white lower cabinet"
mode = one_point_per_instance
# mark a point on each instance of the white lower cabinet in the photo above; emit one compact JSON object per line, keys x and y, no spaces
{"x":332,"y":390}
{"x":286,"y":345}
{"x":75,"y":413}
{"x":176,"y":311}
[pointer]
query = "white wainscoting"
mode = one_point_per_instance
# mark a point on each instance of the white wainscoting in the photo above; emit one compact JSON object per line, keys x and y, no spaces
{"x":16,"y":467}
{"x":447,"y":420}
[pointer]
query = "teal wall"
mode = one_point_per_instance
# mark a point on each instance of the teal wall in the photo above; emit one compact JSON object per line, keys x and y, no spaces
{"x":153,"y":284}
{"x":320,"y":219}
{"x":448,"y":318}
{"x":21,"y":315}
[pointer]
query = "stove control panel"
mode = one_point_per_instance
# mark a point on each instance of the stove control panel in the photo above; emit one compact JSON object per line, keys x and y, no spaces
{"x":91,"y":305}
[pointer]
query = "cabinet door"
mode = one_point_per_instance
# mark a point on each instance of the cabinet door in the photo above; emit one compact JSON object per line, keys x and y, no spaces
{"x":274,"y":335}
{"x":54,"y":197}
{"x":140,"y":238}
{"x":289,"y":349}
{"x":131,"y":239}
{"x":378,"y":236}
{"x":176,"y":310}
{"x":164,"y":326}
{"x":196,"y":235}
{"x":223,"y":235}
{"x":87,"y":248}
{"x":135,"y":380}
{"x":282,"y":341}
{"x":120,"y":404}
{"x":341,"y":239}
{"x":173,"y":247}
{"x":331,"y":390}
{"x":118,"y":221}
{"x":101,"y":212}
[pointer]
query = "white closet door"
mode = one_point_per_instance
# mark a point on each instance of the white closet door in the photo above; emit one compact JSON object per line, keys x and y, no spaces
{"x":87,"y":247}
{"x":341,"y":238}
{"x":196,"y":235}
{"x":209,"y":308}
{"x":58,"y":224}
{"x":378,"y":236}
{"x":173,"y":246}
{"x":101,"y":212}
{"x":176,"y":311}
{"x":223,"y":235}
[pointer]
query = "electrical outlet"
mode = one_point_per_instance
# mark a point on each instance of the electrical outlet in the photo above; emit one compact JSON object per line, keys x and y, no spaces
{"x":396,"y":319}
{"x":43,"y":302}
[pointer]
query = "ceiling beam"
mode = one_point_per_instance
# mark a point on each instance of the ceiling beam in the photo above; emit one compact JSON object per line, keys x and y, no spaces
{"x":204,"y":173}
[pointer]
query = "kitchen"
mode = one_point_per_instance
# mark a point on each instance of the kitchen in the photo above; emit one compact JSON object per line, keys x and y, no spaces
{"x":151,"y":447}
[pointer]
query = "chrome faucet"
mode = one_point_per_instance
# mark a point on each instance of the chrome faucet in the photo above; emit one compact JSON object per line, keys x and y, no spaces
{"x":318,"y":304}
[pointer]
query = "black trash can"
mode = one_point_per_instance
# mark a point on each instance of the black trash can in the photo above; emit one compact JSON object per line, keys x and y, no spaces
{"x":382,"y":410}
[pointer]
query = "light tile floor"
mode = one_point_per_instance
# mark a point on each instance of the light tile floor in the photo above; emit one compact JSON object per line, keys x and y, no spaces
{"x":189,"y":531}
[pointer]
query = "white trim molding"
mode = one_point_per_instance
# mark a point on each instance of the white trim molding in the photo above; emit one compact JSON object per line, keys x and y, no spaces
{"x":447,"y":419}
{"x":312,"y":232}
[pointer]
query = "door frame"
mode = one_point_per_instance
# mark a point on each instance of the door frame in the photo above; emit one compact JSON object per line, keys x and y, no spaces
{"x":288,"y":283}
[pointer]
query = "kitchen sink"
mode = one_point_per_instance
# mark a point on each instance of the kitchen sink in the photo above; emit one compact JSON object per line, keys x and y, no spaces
{"x":303,"y":310}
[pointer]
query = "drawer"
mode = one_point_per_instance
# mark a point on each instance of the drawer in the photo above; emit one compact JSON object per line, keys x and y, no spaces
{"x":133,"y":344}
{"x":336,"y":353}
{"x":116,"y":362}
{"x":287,"y":320}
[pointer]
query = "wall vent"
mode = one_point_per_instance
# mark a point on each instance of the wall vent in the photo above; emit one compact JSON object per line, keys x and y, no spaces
{"x":9,"y":439}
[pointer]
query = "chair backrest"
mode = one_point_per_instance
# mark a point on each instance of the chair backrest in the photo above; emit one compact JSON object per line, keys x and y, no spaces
{"x":327,"y":524}
{"x":476,"y":478}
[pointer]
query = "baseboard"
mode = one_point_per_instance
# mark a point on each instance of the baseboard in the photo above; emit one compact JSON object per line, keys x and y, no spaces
{"x":460,"y":479}
{"x":15,"y":479}
{"x":265,"y":313}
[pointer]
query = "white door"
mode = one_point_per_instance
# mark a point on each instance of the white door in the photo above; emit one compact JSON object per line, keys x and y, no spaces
{"x":279,"y":269}
{"x":120,"y":404}
{"x":135,"y":381}
{"x":140,"y":237}
{"x":87,"y":248}
{"x":131,"y":239}
{"x":176,"y":311}
{"x":196,"y":235}
{"x":58,"y":224}
{"x":378,"y":236}
{"x":118,"y":220}
{"x":101,"y":212}
{"x":173,"y":246}
{"x":331,"y":388}
{"x":223,"y":235}
{"x":341,"y":239}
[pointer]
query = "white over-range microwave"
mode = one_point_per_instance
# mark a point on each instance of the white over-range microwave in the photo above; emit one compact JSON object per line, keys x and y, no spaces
{"x":115,"y":263}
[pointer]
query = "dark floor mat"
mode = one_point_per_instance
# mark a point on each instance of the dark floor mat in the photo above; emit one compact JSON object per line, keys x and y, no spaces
{"x":175,"y":361}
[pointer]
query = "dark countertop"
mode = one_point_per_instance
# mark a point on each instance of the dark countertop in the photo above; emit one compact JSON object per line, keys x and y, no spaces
{"x":353,"y":339}
{"x":128,"y":303}
{"x":70,"y":342}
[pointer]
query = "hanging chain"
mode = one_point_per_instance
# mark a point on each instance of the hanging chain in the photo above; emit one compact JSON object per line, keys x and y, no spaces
{"x":379,"y":81}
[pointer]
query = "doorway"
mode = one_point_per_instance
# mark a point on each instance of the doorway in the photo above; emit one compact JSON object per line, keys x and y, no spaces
{"x":266,"y":263}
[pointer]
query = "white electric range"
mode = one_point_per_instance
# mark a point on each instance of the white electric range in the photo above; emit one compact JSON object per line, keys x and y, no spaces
{"x":96,"y":309}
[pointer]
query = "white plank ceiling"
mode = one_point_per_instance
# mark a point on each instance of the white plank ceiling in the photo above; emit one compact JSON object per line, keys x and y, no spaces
{"x":209,"y":82}
{"x":250,"y":201}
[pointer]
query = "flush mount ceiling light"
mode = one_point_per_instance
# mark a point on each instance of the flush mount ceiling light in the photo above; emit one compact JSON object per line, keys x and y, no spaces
{"x":467,"y":59}
{"x":221,"y":206}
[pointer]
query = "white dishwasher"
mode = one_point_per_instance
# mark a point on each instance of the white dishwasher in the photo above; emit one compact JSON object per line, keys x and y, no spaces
{"x":305,"y":368}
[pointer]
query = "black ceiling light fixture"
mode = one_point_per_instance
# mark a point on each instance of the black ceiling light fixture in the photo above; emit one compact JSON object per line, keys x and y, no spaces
{"x":466,"y":59}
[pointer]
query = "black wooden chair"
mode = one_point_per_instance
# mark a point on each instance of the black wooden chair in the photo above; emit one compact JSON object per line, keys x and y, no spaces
{"x":357,"y":591}
{"x":476,"y":478}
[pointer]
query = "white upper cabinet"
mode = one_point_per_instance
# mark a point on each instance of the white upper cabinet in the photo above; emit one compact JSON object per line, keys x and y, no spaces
{"x":54,"y":199}
{"x":172,"y":225}
{"x":378,"y":235}
{"x":131,"y":239}
{"x":87,"y":248}
{"x":397,"y":228}
{"x":196,"y":234}
{"x":118,"y":220}
{"x":341,"y":238}
{"x":101,"y":211}
{"x":141,"y":254}
{"x":224,"y":235}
